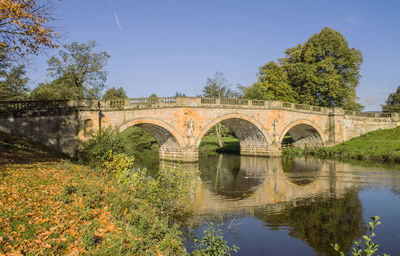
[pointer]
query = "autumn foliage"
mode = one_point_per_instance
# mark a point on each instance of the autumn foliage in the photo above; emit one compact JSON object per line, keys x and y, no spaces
{"x":51,"y":206}
{"x":25,"y":26}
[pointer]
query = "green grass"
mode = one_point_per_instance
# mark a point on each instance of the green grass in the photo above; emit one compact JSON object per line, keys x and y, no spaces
{"x":381,"y":145}
{"x":209,"y":144}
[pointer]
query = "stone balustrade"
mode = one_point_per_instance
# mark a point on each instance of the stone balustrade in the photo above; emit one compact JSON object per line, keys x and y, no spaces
{"x":170,"y":102}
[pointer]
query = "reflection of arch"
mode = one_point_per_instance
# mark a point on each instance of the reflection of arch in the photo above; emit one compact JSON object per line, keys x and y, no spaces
{"x":301,"y":172}
{"x":303,"y":124}
{"x":167,"y":137}
{"x":246,"y":129}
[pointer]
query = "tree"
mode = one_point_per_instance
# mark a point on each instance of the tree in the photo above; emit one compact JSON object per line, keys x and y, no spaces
{"x":218,"y":87}
{"x":272,"y":84}
{"x":179,"y":94}
{"x":323,"y":71}
{"x":78,"y":73}
{"x":393,"y":102}
{"x":13,"y":80}
{"x":113,"y":93}
{"x":26,"y":25}
{"x":14,"y":85}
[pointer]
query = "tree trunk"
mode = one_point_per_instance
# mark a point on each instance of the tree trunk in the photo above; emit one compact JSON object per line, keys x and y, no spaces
{"x":218,"y":131}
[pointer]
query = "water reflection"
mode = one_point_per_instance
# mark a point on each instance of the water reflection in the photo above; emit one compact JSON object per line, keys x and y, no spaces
{"x":302,"y":195}
{"x":230,"y":183}
{"x":293,"y":207}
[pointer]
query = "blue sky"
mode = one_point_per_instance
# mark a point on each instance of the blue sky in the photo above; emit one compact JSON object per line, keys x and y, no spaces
{"x":167,"y":46}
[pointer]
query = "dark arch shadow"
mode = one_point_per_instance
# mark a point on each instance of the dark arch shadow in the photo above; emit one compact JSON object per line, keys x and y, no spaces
{"x":302,"y":135}
{"x":169,"y":147}
{"x":251,"y":138}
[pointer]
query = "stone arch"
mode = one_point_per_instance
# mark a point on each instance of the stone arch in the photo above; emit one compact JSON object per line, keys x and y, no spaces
{"x":169,"y":140}
{"x":305,"y":131}
{"x":253,"y":138}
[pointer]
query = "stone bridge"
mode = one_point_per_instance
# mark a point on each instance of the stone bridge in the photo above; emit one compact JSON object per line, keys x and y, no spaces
{"x":180,"y":123}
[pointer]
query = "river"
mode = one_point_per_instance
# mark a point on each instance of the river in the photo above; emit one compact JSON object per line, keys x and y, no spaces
{"x":275,"y":206}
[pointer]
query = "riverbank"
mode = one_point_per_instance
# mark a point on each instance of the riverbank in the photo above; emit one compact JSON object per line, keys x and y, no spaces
{"x":51,"y":205}
{"x":381,"y":146}
{"x":209,"y":145}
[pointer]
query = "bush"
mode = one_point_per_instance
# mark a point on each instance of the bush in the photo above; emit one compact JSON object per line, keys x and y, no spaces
{"x":98,"y":147}
{"x":368,"y":248}
{"x":168,"y":191}
{"x":290,"y":151}
{"x":212,"y":243}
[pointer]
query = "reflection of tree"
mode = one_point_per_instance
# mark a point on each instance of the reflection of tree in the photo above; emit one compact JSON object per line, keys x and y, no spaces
{"x":225,"y":177}
{"x":320,"y":223}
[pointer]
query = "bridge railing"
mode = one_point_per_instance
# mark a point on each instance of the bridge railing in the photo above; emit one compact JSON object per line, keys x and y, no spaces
{"x":161,"y":102}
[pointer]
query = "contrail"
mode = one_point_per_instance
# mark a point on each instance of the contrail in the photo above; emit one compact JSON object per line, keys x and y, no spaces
{"x":117,"y":20}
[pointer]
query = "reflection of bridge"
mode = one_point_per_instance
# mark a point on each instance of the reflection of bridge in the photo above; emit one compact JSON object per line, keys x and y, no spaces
{"x":272,"y":185}
{"x":180,"y":123}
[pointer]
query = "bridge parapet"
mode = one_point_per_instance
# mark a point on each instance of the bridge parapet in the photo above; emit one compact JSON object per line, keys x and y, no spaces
{"x":148,"y":103}
{"x":171,"y":102}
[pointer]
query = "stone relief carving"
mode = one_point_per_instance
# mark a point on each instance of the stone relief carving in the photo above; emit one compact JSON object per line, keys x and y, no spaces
{"x":190,"y":126}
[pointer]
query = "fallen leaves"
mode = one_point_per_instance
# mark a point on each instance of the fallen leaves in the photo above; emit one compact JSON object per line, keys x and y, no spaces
{"x":33,"y":219}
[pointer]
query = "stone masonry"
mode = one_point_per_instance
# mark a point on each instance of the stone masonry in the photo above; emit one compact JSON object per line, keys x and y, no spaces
{"x":179,"y":123}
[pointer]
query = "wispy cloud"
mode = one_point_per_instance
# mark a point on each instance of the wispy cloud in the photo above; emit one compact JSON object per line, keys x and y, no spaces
{"x":117,"y":20}
{"x":116,"y":17}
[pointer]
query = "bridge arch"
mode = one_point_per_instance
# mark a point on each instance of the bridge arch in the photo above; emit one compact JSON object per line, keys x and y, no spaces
{"x":253,"y":138}
{"x":169,"y":140}
{"x":304,"y":132}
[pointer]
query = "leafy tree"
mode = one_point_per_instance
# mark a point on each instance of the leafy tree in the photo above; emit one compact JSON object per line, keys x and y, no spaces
{"x":26,"y":25}
{"x":78,"y":73}
{"x":323,"y":71}
{"x":14,"y":85}
{"x":113,"y":93}
{"x":393,"y":102}
{"x":59,"y":89}
{"x":272,"y":84}
{"x":13,"y":80}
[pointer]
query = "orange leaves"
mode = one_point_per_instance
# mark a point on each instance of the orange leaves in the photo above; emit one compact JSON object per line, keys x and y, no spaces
{"x":25,"y":26}
{"x":34,"y":219}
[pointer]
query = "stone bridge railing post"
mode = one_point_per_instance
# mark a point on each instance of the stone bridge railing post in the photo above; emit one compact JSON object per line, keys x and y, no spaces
{"x":335,"y":130}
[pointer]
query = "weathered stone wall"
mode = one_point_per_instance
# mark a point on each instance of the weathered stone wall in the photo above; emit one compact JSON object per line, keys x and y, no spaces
{"x":56,"y":131}
{"x":354,"y":126}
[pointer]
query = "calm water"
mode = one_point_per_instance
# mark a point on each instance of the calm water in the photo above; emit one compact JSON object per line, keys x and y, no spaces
{"x":272,"y":206}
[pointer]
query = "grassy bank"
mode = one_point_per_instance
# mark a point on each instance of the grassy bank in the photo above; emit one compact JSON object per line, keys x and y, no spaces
{"x":209,"y":144}
{"x":381,"y":145}
{"x":52,"y":206}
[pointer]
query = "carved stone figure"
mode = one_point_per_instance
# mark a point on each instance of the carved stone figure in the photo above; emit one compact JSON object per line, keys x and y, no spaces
{"x":190,"y":126}
{"x":275,"y":124}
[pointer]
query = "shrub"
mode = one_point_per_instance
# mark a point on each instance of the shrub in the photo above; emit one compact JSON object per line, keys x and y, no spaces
{"x":212,"y":243}
{"x":168,"y":192}
{"x":98,"y":147}
{"x":368,"y":248}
